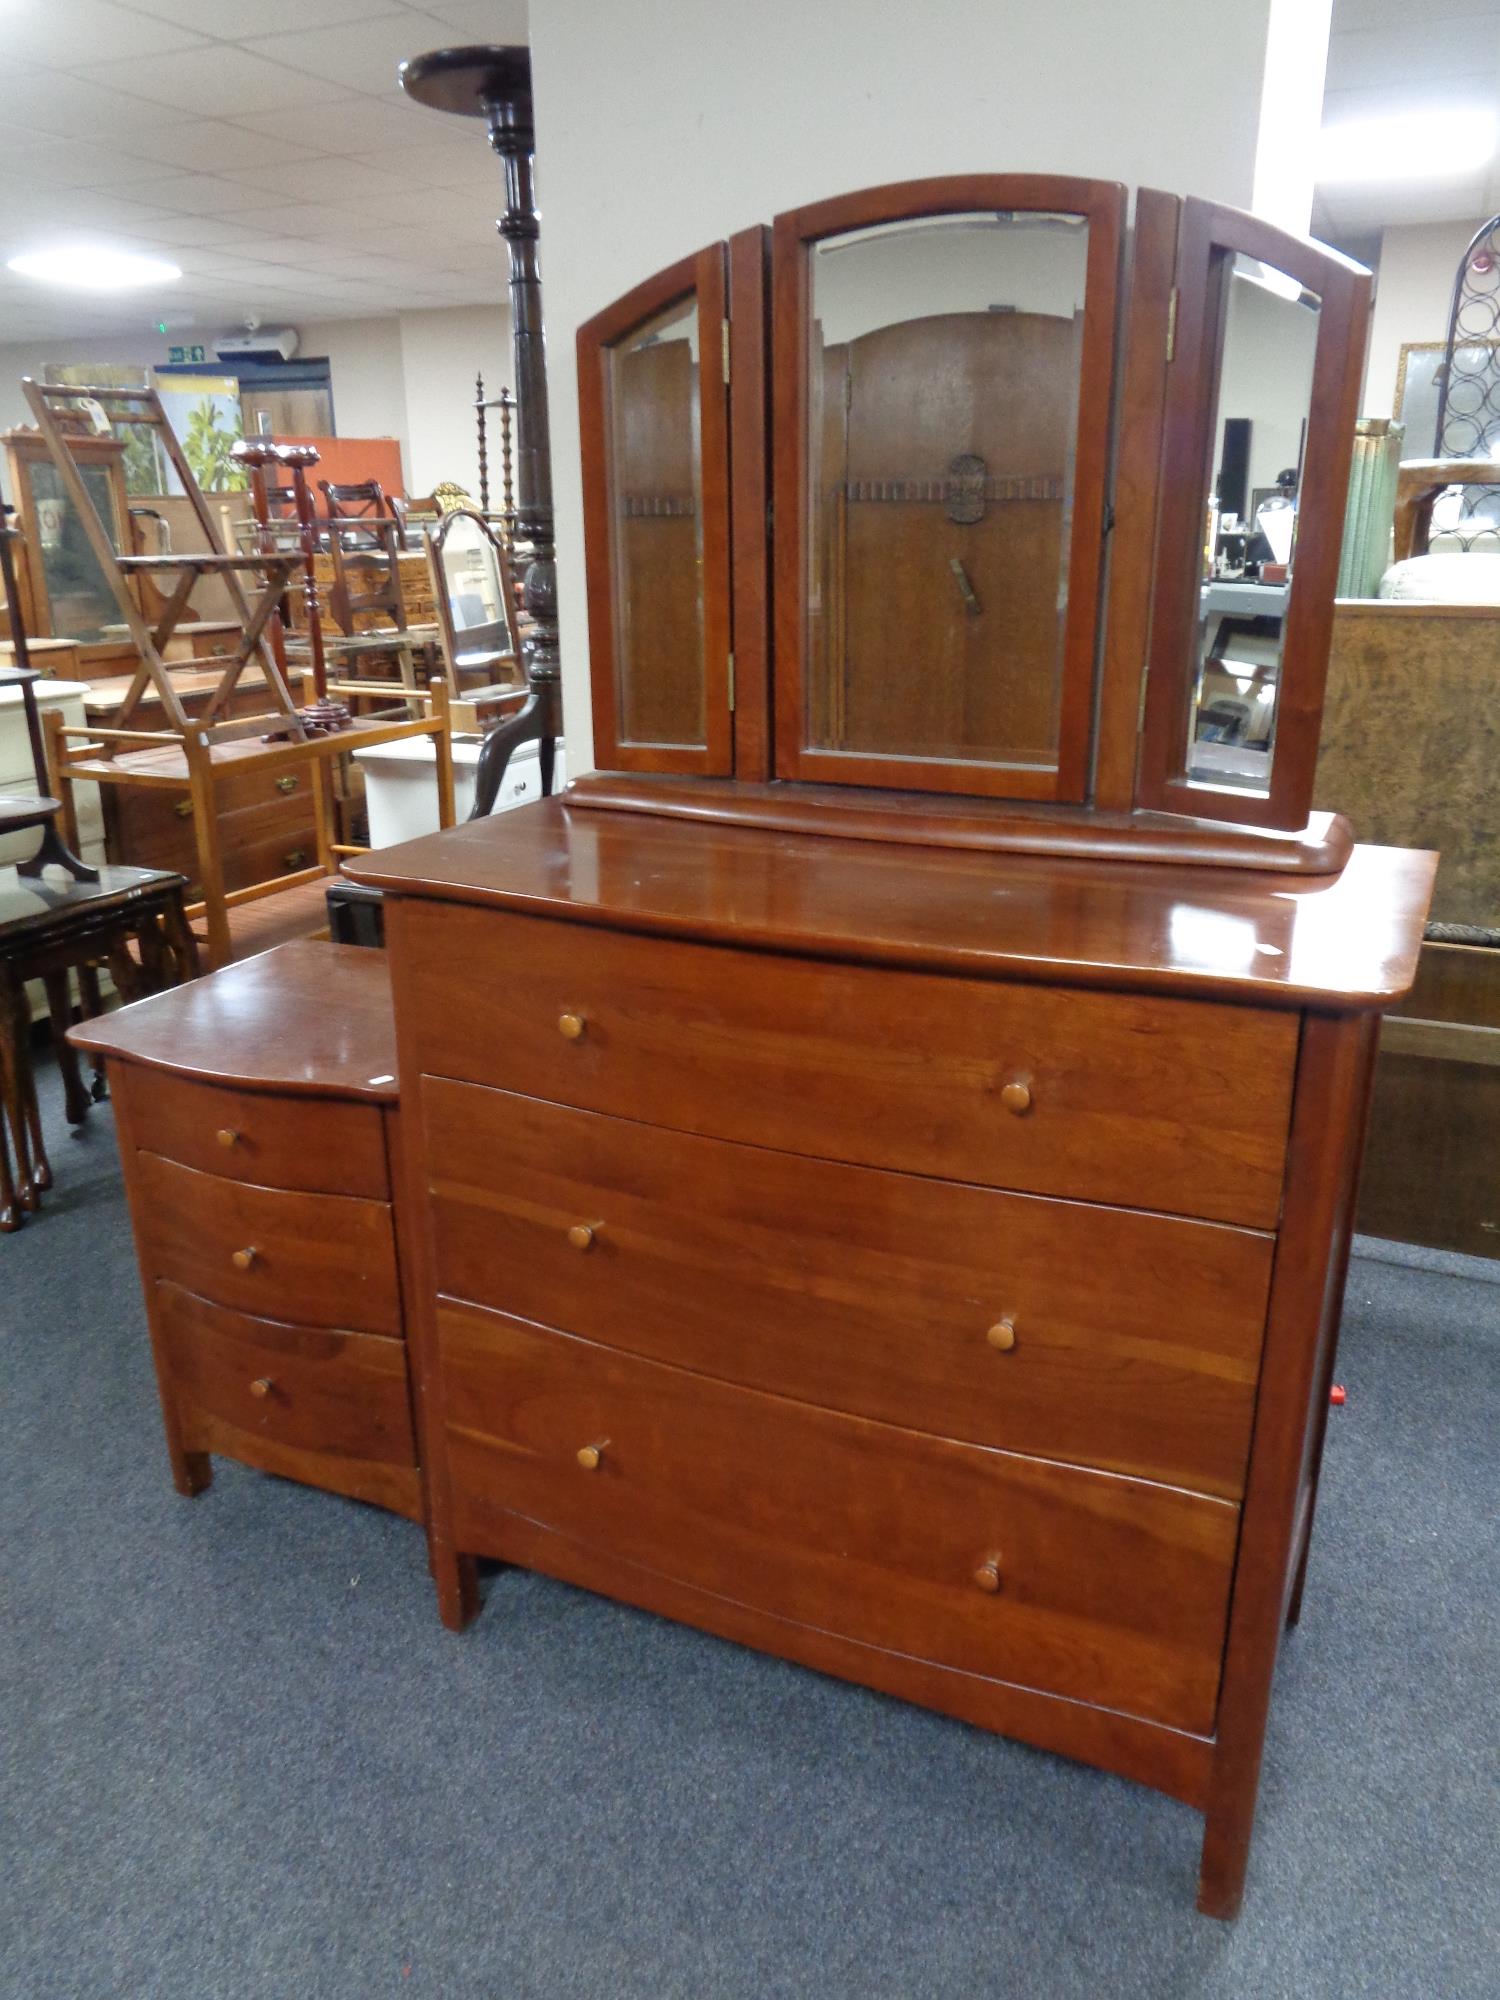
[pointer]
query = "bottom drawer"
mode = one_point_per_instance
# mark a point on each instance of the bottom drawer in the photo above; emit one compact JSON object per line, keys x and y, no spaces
{"x":326,"y":1407}
{"x":1104,"y":1589}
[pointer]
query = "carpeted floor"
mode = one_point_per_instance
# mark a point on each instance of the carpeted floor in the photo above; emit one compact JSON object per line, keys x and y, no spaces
{"x":241,"y":1758}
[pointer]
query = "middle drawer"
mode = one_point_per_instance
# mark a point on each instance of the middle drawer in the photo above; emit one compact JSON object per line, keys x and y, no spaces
{"x":318,"y":1259}
{"x":997,"y":1318}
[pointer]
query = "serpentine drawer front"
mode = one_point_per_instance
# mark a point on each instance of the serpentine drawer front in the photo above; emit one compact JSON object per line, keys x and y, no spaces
{"x":1105,"y":1590}
{"x":284,"y":1142}
{"x":1110,"y":1097}
{"x":308,"y":1402}
{"x":999,"y":1318}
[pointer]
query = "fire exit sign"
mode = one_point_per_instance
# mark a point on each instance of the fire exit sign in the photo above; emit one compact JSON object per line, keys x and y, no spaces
{"x":186,"y":354}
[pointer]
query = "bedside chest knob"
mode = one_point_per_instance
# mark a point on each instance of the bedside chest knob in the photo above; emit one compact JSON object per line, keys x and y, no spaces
{"x":571,"y":1027}
{"x":243,"y":1259}
{"x":581,"y":1236}
{"x":227,"y":1136}
{"x":1016,"y":1097}
{"x":987,"y":1576}
{"x":261,"y":1386}
{"x":1002,"y":1335}
{"x":590,"y":1456}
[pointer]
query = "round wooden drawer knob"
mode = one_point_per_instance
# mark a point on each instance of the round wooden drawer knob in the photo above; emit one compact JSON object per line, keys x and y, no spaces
{"x":1016,"y":1097}
{"x":243,"y":1259}
{"x":987,"y":1576}
{"x":571,"y":1027}
{"x":1002,"y":1335}
{"x":589,"y":1457}
{"x":227,"y":1136}
{"x":581,"y":1236}
{"x":261,"y":1386}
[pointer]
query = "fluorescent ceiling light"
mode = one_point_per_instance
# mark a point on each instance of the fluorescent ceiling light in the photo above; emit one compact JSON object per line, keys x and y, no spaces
{"x":1438,"y":144}
{"x":86,"y":267}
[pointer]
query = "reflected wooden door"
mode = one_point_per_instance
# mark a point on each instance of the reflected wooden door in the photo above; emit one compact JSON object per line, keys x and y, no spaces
{"x":944,"y":566}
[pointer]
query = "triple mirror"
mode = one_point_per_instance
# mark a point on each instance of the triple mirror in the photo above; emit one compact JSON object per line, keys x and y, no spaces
{"x":947,"y":443}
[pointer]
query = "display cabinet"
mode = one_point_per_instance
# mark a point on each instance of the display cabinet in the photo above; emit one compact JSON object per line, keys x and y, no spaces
{"x":990,"y":438}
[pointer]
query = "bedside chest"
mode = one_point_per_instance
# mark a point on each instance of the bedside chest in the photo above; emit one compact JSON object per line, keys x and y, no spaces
{"x":922,"y":1265}
{"x":257,"y":1121}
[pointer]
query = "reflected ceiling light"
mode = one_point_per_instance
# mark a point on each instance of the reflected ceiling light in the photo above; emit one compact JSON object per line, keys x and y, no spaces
{"x":1438,"y":144}
{"x":87,"y":267}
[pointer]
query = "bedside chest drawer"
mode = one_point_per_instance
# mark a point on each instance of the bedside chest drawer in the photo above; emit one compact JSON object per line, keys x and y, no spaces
{"x":998,"y":1318}
{"x":1147,"y":1102}
{"x":1105,"y":1590}
{"x":312,"y":1143}
{"x":312,"y":1403}
{"x":318,"y":1259}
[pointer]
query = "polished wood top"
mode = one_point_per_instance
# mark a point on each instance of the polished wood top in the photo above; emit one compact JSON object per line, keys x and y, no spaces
{"x":1345,"y":941}
{"x":307,"y":1017}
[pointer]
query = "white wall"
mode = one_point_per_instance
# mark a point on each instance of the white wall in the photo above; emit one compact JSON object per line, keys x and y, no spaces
{"x":408,"y":376}
{"x":666,"y":124}
{"x":1413,"y":293}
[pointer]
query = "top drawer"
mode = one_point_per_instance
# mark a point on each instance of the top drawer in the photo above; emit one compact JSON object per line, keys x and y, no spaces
{"x":323,"y":1145}
{"x":1124,"y":1098}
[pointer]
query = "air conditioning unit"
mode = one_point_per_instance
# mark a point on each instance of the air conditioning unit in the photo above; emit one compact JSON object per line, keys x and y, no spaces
{"x":262,"y":343}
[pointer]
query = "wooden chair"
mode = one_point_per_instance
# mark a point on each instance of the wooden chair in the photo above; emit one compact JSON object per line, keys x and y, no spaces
{"x":364,"y":537}
{"x":475,"y":595}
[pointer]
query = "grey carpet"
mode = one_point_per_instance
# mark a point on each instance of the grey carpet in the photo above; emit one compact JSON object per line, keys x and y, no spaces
{"x":241,"y":1757}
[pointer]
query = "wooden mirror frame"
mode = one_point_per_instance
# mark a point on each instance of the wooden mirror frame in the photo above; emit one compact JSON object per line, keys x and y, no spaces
{"x":1208,"y":239}
{"x":700,"y":277}
{"x":1102,"y":204}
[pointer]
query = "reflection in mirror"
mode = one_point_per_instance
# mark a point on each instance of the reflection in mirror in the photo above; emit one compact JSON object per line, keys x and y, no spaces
{"x":656,"y":516}
{"x":81,"y":600}
{"x":471,"y":575}
{"x":943,"y":383}
{"x":1250,"y":525}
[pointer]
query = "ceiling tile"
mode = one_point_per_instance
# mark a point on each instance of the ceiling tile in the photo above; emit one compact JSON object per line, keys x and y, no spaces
{"x":73,"y":163}
{"x":214,"y":144}
{"x":75,"y":107}
{"x":486,"y":20}
{"x":308,"y":218}
{"x":190,"y":231}
{"x":216,"y":79}
{"x":330,"y":179}
{"x":199,"y":194}
{"x":234,"y":20}
{"x":59,"y":34}
{"x":361,"y":125}
{"x":365,"y":55}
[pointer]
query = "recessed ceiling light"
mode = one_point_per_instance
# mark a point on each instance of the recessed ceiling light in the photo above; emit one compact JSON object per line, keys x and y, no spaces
{"x":1438,"y":144}
{"x":86,"y":267}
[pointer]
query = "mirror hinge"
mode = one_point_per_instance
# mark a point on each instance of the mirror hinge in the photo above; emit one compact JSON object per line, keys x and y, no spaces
{"x":1172,"y":325}
{"x":725,"y":325}
{"x":731,"y":683}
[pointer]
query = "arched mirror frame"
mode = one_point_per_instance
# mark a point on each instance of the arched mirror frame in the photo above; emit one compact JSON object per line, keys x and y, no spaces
{"x":1102,"y":203}
{"x":700,"y":277}
{"x":1209,"y":237}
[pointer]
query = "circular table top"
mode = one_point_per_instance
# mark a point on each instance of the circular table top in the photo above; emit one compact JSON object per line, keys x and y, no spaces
{"x":461,"y":80}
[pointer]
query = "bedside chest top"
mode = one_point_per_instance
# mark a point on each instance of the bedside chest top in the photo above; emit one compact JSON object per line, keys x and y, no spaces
{"x":308,"y":1017}
{"x":1347,"y":941}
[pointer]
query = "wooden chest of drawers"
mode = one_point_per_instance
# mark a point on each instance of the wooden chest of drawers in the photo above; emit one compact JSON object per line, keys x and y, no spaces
{"x":924,"y":1266}
{"x":257,"y":1119}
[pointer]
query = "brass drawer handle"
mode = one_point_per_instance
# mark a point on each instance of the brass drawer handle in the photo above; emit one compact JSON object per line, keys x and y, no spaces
{"x":583,"y":1235}
{"x":183,"y":809}
{"x":571,"y":1027}
{"x":1002,"y":1335}
{"x":591,"y":1455}
{"x":289,"y":783}
{"x":243,"y":1259}
{"x":261,"y":1386}
{"x":227,"y":1136}
{"x":1016,"y":1097}
{"x":987,"y":1576}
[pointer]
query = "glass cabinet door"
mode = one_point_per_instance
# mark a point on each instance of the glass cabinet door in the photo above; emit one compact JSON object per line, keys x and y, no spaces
{"x":653,"y":408}
{"x":1260,"y":406}
{"x":80,"y":601}
{"x":946,"y":356}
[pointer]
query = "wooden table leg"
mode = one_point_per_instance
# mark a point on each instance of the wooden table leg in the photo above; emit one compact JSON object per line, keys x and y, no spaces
{"x":90,"y":1007}
{"x":180,"y":939}
{"x":76,"y":1098}
{"x":32,"y":1170}
{"x":11,"y":1213}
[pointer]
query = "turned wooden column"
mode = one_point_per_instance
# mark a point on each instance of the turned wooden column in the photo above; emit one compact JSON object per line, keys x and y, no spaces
{"x":494,"y":83}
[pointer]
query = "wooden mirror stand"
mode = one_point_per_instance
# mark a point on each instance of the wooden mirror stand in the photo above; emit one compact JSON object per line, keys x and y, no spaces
{"x":897,"y":517}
